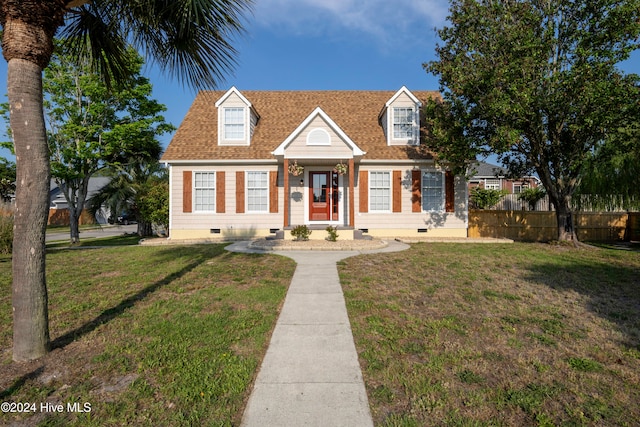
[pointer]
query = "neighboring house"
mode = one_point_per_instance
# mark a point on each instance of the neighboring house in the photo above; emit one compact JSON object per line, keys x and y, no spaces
{"x":254,"y":163}
{"x":58,"y":207}
{"x":486,"y":175}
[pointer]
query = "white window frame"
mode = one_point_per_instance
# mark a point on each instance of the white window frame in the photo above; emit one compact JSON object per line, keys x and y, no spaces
{"x":425,"y":191}
{"x":372,"y":189}
{"x":492,"y":184}
{"x":238,"y":123}
{"x":257,"y":189}
{"x":407,"y":132}
{"x":198,"y":191}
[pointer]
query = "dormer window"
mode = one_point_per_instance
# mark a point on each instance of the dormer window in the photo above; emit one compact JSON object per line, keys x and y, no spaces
{"x":403,"y":123}
{"x":237,"y":119}
{"x":234,"y":122}
{"x":399,"y":118}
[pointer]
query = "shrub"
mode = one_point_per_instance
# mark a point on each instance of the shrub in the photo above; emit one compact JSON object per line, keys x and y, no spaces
{"x":6,"y":228}
{"x":333,"y":233}
{"x":301,"y":232}
{"x":486,"y":198}
{"x":532,"y":196}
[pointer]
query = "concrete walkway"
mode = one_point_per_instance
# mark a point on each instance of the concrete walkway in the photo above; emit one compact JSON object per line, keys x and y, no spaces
{"x":310,"y":375}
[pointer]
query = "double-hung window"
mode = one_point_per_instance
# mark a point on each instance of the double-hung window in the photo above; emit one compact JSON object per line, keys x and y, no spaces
{"x":380,"y":191}
{"x":402,"y":123}
{"x":234,"y":123}
{"x":257,"y":191}
{"x":432,"y":191}
{"x":205,"y":191}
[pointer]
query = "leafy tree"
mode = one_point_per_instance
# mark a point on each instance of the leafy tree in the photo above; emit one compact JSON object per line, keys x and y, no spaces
{"x":92,"y":126}
{"x":613,"y":178}
{"x":486,"y":198}
{"x":537,"y":82}
{"x":7,"y":179}
{"x":189,"y":39}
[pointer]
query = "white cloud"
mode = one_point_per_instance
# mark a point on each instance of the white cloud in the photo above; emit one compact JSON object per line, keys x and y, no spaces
{"x":388,"y":21}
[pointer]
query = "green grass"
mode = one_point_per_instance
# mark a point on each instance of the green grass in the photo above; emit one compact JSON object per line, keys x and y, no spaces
{"x":148,"y":335}
{"x":520,"y":334}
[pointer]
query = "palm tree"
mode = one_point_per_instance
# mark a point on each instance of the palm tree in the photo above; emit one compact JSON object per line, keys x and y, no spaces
{"x":129,"y":186}
{"x":190,"y":39}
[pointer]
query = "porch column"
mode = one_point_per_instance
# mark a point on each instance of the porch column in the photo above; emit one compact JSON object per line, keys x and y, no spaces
{"x":286,"y":193}
{"x":352,"y":211}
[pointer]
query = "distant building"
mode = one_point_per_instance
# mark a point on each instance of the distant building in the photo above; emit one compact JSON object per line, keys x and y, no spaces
{"x":486,"y":175}
{"x":59,"y":208}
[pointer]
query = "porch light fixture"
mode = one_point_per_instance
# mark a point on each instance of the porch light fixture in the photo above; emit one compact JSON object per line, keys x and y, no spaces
{"x":301,"y":182}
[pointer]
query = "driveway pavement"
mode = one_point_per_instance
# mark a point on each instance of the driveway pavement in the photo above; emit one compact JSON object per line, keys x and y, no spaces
{"x":310,"y":375}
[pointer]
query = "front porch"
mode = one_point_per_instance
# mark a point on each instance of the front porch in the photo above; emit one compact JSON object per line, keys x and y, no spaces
{"x":318,"y":195}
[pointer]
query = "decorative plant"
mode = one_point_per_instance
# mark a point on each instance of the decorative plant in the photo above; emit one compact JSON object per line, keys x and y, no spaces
{"x":295,"y":169}
{"x":301,"y":232}
{"x":340,"y":168}
{"x":333,"y":233}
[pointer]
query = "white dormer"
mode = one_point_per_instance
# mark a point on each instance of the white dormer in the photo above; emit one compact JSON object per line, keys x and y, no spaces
{"x":236,"y":119}
{"x":400,"y":118}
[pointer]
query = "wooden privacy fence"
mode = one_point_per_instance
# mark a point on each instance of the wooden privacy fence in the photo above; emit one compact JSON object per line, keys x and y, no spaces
{"x":542,"y":226}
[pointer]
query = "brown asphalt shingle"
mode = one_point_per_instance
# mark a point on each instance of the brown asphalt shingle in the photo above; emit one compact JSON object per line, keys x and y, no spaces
{"x":281,"y":112}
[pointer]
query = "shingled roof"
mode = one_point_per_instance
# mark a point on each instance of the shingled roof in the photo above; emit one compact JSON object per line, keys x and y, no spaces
{"x":281,"y":112}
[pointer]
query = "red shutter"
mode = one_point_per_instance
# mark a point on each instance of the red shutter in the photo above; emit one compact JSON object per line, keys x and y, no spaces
{"x":240,"y":192}
{"x":449,"y":191}
{"x":187,"y":184}
{"x":363,"y":185}
{"x":416,"y":191}
{"x":273,"y":191}
{"x":220,"y":192}
{"x":397,"y":191}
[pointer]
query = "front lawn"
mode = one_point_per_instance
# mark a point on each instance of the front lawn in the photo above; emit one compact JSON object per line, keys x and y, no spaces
{"x":485,"y":335}
{"x":146,"y":335}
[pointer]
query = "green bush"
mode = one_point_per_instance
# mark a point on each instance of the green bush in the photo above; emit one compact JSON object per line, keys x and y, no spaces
{"x":301,"y":232}
{"x":333,"y":233}
{"x":532,"y":196}
{"x":6,"y":228}
{"x":486,"y":198}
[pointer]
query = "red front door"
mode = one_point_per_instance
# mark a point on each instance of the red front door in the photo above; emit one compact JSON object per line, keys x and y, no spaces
{"x":323,"y":196}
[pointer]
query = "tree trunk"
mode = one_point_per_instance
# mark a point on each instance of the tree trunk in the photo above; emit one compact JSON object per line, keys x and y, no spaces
{"x":144,"y":228}
{"x":27,"y":44}
{"x":564,"y":217}
{"x":30,"y":312}
{"x":74,"y":224}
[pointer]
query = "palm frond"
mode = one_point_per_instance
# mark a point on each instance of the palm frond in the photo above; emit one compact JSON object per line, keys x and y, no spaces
{"x":91,"y":34}
{"x":190,"y":40}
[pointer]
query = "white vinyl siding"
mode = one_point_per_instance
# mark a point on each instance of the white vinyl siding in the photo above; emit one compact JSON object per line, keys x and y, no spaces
{"x":257,"y":191}
{"x":402,"y":123}
{"x":204,"y":191}
{"x":379,"y":191}
{"x":234,"y":122}
{"x":432,"y":191}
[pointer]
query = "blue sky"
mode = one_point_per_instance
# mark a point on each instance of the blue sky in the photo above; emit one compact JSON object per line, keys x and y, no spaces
{"x":324,"y":44}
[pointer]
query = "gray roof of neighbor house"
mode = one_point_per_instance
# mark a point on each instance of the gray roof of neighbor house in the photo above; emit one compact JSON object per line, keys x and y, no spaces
{"x":56,"y":197}
{"x":281,"y":112}
{"x":487,"y":170}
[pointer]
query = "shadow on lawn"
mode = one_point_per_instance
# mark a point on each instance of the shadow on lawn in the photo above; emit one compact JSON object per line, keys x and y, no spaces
{"x":196,"y":255}
{"x":613,"y":290}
